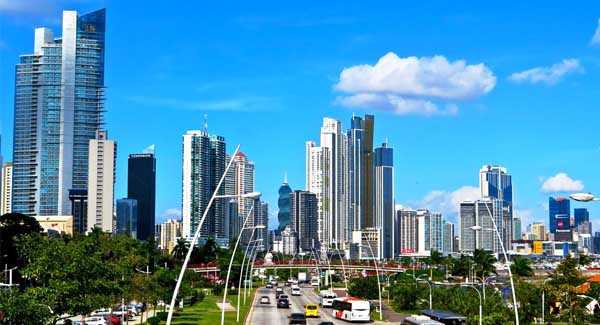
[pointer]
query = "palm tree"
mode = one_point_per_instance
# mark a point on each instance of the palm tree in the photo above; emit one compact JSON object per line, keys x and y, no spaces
{"x":181,"y":248}
{"x":521,"y":266}
{"x":484,"y":263}
{"x":584,"y":260}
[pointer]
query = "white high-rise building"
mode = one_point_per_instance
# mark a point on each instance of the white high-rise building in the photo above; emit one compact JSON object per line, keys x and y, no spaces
{"x":6,"y":188}
{"x":479,"y":214}
{"x":436,"y":232}
{"x":244,"y":182}
{"x":408,"y":231}
{"x":169,"y":231}
{"x":101,"y":182}
{"x":449,"y":247}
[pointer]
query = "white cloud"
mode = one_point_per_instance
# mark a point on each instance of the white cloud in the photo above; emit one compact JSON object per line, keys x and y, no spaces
{"x":561,"y":182}
{"x":409,"y":85}
{"x":548,"y":75}
{"x":447,"y":202}
{"x":171,"y":213}
{"x":239,"y":104}
{"x":596,"y":38}
{"x":395,"y":104}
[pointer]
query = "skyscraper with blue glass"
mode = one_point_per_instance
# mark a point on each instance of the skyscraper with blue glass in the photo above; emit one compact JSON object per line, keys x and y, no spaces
{"x":559,"y":210}
{"x":283,"y":203}
{"x":384,"y":198}
{"x":59,"y":106}
{"x":495,"y":182}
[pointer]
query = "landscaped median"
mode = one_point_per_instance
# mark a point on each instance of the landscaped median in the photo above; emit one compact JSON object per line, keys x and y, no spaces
{"x":208,"y":312}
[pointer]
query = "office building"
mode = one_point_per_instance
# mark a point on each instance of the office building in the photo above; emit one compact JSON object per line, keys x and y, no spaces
{"x":408,"y":231}
{"x":101,"y":182}
{"x":581,"y":215}
{"x":244,"y":183}
{"x":517,"y":229}
{"x":169,"y":231}
{"x":423,"y":232}
{"x":495,"y":182}
{"x":141,"y":186}
{"x":559,"y":210}
{"x":203,"y":166}
{"x":6,"y":206}
{"x":436,"y":232}
{"x":127,"y":217}
{"x":584,"y":227}
{"x":384,"y":198}
{"x":59,"y":107}
{"x":233,"y":221}
{"x":449,"y":246}
{"x":538,"y":231}
{"x":261,"y":218}
{"x":283,"y":203}
{"x":56,"y":226}
{"x":79,"y":209}
{"x":368,"y":243}
{"x":360,"y":172}
{"x":303,"y":219}
{"x":477,"y":227}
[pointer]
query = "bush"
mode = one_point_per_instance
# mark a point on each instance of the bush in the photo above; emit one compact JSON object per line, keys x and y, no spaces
{"x":163,"y":315}
{"x":217,"y":289}
{"x":154,"y":320}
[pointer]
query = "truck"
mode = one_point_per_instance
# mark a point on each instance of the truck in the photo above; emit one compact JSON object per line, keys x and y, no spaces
{"x":303,"y":277}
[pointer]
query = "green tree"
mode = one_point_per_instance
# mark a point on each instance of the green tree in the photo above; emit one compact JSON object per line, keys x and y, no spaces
{"x":181,"y":248}
{"x":563,"y":289}
{"x":13,"y":225}
{"x":17,"y":308}
{"x":584,"y":260}
{"x":483,"y":263}
{"x":365,"y":288}
{"x":460,"y":266}
{"x":521,"y":266}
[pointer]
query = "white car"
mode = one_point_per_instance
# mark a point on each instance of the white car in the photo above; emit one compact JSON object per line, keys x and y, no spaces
{"x":296,"y":291}
{"x":94,"y":320}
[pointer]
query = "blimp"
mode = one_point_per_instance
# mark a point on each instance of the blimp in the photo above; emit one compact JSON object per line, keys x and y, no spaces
{"x":584,"y":197}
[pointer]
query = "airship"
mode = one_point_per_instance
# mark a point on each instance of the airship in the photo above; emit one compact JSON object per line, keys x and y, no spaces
{"x":584,"y":197}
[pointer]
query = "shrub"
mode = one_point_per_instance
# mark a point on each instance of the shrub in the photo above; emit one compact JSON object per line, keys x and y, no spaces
{"x":217,"y":289}
{"x":153,"y":320}
{"x":163,"y":315}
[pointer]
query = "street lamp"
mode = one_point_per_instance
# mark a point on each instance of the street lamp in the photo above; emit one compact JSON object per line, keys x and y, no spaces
{"x":480,"y":305}
{"x":147,"y":272}
{"x":378,"y":283}
{"x":197,"y":234}
{"x":512,"y":283}
{"x":242,"y":269}
{"x":254,"y":255}
{"x":584,"y":197}
{"x":544,"y":298}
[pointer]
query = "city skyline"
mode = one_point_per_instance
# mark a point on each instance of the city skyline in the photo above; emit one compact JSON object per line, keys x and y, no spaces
{"x":420,"y":183}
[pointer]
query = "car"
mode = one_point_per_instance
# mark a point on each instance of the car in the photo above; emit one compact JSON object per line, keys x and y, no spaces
{"x":278,"y":292}
{"x":112,"y":320}
{"x":296,"y":291}
{"x":269,"y":285}
{"x":283,"y":296}
{"x":96,"y":320}
{"x":326,"y":323}
{"x":273,"y":283}
{"x":283,"y":303}
{"x":265,"y":300}
{"x":311,"y":310}
{"x":297,"y":318}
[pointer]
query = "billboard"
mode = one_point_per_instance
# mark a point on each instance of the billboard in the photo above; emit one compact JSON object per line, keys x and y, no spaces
{"x":537,"y":247}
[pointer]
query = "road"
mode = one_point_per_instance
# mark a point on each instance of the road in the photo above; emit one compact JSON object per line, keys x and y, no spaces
{"x":271,"y":315}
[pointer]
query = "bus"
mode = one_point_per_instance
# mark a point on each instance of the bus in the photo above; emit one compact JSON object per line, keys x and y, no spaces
{"x":420,"y":320}
{"x":351,"y":309}
{"x":326,"y":298}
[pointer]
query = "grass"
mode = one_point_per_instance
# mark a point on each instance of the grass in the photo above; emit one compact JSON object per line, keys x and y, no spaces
{"x":207,"y":312}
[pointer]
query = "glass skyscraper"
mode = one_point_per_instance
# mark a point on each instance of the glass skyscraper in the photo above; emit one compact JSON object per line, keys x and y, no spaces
{"x":59,"y":106}
{"x":141,"y":186}
{"x":495,"y":182}
{"x":384,"y":198}
{"x":284,"y":205}
{"x":127,"y":213}
{"x":581,"y":215}
{"x":559,"y":210}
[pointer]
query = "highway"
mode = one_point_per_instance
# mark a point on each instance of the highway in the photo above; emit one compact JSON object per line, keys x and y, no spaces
{"x":271,"y":315}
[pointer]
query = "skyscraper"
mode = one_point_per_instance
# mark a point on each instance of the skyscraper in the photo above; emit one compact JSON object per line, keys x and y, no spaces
{"x":384,"y":198}
{"x":283,"y":216}
{"x":407,"y":233}
{"x":101,"y":182}
{"x":6,"y":188}
{"x":449,"y":247}
{"x":261,"y":218}
{"x":59,"y":106}
{"x":479,"y":213}
{"x":244,"y":183}
{"x":559,"y":211}
{"x":326,"y":177}
{"x":303,"y":219}
{"x":141,"y":186}
{"x":581,"y":215}
{"x":203,"y":166}
{"x":517,"y":228}
{"x":538,"y":230}
{"x":169,"y":231}
{"x":436,"y":233}
{"x":127,"y":217}
{"x":495,"y":182}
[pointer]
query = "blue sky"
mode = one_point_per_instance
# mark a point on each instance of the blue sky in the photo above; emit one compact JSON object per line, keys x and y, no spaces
{"x":515,"y":85}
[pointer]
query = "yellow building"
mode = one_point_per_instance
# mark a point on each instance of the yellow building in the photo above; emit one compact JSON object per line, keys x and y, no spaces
{"x":539,"y":231}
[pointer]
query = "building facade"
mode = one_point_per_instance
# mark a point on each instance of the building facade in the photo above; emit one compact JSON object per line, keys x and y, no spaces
{"x":559,"y":211}
{"x":169,"y":231}
{"x":59,"y":106}
{"x":283,"y":203}
{"x":495,"y":182}
{"x":408,"y":232}
{"x":580,"y":215}
{"x":384,"y":198}
{"x":303,"y":219}
{"x":6,"y":204}
{"x":437,"y":232}
{"x":126,"y":217}
{"x":477,"y":227}
{"x":101,"y":183}
{"x":261,"y":218}
{"x":141,"y":186}
{"x":449,"y":246}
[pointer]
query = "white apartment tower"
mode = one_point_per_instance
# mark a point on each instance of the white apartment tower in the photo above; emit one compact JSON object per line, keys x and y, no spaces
{"x":101,"y":182}
{"x":6,"y":189}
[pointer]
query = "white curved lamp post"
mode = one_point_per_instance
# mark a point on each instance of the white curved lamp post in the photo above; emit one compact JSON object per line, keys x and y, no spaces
{"x":378,"y":282}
